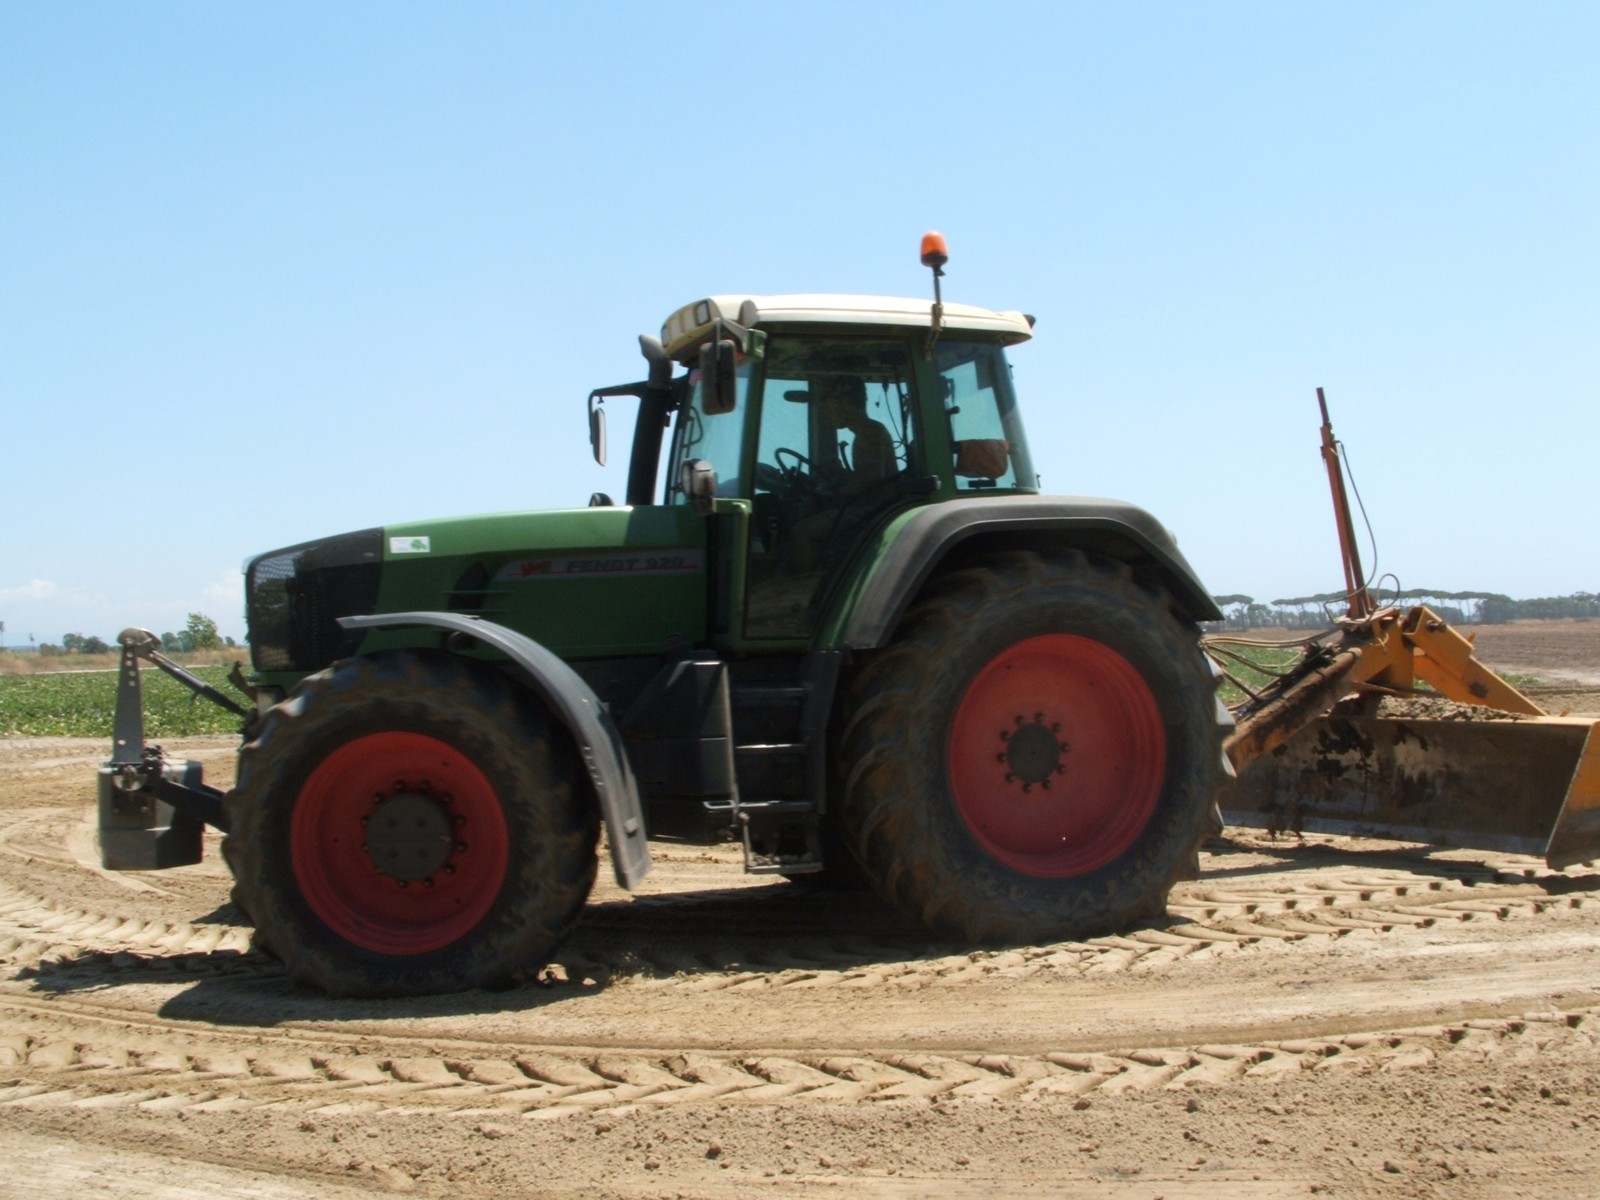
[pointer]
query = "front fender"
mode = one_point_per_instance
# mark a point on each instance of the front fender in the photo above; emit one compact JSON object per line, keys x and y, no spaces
{"x":579,"y":709}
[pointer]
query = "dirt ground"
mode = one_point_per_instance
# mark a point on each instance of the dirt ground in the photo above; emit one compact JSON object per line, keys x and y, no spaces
{"x":1555,"y":652}
{"x":1328,"y":1016}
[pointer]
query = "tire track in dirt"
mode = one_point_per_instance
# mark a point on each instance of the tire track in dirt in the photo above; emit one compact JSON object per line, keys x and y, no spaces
{"x":50,"y":845}
{"x":775,"y":943}
{"x":35,"y":929}
{"x":1206,"y":919}
{"x":109,"y":1064}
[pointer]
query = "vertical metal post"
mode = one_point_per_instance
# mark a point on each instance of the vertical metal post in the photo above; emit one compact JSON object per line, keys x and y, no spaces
{"x":1355,"y":583}
{"x":127,"y":729}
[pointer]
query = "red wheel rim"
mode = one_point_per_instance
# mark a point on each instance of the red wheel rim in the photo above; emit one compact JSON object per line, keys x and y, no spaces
{"x":342,"y":882}
{"x":1057,"y":755}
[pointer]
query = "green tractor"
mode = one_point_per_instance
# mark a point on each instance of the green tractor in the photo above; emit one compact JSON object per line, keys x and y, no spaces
{"x":845,"y":630}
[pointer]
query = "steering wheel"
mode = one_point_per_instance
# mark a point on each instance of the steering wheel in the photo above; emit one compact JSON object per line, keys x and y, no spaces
{"x":800,"y":460}
{"x":789,"y":478}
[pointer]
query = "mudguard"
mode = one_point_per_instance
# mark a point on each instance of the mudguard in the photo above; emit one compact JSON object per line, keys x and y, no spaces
{"x":917,"y":544}
{"x":571,"y":699}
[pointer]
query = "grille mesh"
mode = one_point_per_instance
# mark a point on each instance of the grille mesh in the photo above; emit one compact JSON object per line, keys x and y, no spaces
{"x":268,"y":589}
{"x":297,"y":595}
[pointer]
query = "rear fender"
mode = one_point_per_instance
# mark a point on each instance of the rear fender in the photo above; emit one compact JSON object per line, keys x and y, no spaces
{"x":914,"y":547}
{"x":576,"y":706}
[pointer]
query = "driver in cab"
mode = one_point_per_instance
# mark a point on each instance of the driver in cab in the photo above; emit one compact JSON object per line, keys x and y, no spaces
{"x":871,"y":458}
{"x":849,"y":471}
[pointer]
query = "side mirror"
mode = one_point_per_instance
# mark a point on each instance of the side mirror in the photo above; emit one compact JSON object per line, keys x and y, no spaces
{"x":718,"y":377}
{"x":597,"y":427}
{"x":698,"y":479}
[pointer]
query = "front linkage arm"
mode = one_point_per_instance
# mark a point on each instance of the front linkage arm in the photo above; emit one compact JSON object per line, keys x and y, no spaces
{"x":153,"y":812}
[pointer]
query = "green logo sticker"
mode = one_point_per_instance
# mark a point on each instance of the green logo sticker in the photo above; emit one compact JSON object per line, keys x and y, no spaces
{"x":409,"y":545}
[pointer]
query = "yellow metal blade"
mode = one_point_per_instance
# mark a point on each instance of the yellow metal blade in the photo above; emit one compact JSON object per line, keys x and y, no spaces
{"x":1576,"y":837}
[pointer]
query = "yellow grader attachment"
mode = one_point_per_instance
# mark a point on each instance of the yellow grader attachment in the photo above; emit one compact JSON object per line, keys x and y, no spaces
{"x":1345,"y":740}
{"x":1313,"y":753}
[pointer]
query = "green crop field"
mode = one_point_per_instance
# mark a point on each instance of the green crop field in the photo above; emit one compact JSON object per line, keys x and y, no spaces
{"x":1270,"y":659}
{"x":80,"y":704}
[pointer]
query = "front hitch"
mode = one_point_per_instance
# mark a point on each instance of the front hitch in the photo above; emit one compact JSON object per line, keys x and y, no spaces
{"x":152,"y":812}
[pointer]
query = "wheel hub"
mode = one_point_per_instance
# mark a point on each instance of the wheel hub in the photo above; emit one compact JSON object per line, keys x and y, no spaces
{"x":1033,"y":752}
{"x":409,"y":835}
{"x":1008,"y":756}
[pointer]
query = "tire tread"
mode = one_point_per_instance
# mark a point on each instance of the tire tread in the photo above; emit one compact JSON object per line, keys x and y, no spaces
{"x":551,"y":818}
{"x":890,"y":798}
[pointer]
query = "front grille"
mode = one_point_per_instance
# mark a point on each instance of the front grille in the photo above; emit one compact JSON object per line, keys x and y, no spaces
{"x":295,"y":596}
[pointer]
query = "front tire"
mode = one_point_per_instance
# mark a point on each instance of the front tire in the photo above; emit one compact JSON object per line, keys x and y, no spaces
{"x":409,"y":823}
{"x":1036,"y":754}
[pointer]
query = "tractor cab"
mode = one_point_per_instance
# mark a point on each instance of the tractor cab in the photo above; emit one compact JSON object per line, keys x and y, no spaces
{"x":809,"y":420}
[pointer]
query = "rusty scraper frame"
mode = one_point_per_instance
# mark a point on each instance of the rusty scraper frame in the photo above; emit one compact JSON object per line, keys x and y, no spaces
{"x":1312,"y":753}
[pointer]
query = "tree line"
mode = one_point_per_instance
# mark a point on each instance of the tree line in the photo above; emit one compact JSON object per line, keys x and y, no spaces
{"x":1459,"y":608}
{"x":198,"y":633}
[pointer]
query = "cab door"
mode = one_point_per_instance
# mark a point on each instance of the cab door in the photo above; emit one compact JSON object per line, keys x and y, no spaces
{"x":835,"y":445}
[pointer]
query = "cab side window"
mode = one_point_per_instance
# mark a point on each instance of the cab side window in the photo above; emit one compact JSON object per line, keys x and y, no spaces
{"x":986,"y":441}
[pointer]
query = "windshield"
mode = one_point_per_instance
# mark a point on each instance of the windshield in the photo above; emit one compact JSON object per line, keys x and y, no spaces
{"x":719,"y":438}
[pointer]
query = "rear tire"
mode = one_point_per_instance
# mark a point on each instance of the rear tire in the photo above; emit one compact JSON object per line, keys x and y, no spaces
{"x":409,"y":823}
{"x":1035,"y":755}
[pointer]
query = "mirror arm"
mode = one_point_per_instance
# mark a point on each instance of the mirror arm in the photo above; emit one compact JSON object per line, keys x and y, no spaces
{"x":621,"y":389}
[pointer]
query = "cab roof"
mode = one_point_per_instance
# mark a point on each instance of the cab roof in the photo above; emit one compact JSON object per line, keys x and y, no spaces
{"x":691,"y":324}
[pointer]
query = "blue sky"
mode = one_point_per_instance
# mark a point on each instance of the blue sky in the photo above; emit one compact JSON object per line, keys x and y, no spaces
{"x":269,"y":272}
